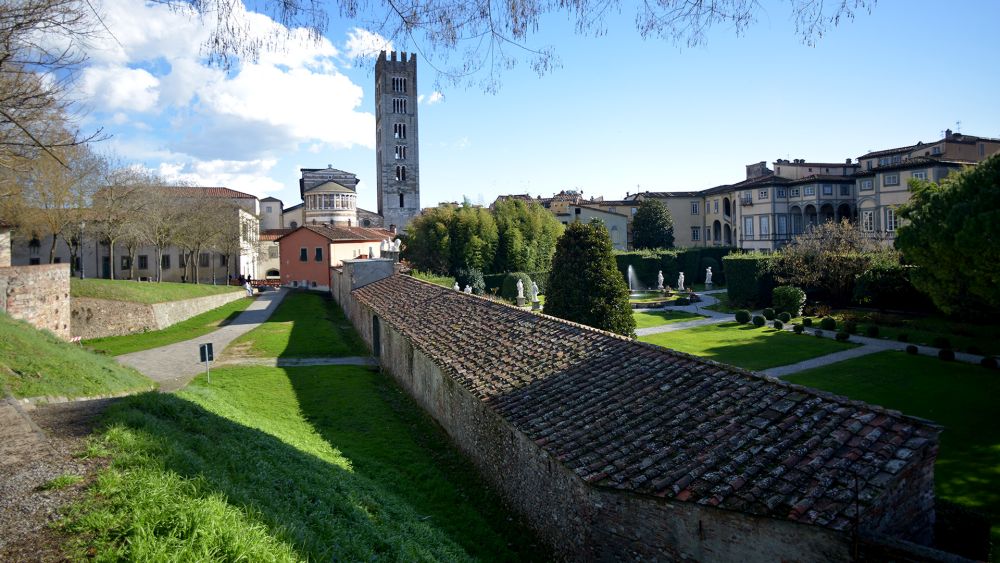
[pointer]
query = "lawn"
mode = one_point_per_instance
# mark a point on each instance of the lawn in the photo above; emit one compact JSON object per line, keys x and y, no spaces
{"x":650,"y":297}
{"x":306,"y":325}
{"x":35,"y":363}
{"x":723,"y":305}
{"x":961,"y":397}
{"x":922,"y":330}
{"x":185,"y":330}
{"x":323,"y":463}
{"x":648,"y":319}
{"x":746,"y":346}
{"x":444,"y":281}
{"x":143,"y":292}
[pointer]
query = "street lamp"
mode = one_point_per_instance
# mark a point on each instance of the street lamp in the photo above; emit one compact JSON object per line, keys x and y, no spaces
{"x":82,"y":261}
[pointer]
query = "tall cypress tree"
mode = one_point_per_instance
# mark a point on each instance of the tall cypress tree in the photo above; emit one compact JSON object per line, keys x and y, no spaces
{"x":652,"y":226}
{"x":585,"y":285}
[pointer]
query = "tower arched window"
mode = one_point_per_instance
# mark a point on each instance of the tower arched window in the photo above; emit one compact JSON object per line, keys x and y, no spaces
{"x":399,"y":130}
{"x":401,"y":200}
{"x":399,"y":105}
{"x":400,"y":152}
{"x":400,"y":173}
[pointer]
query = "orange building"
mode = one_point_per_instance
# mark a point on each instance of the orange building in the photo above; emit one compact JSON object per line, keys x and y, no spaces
{"x":308,"y":252}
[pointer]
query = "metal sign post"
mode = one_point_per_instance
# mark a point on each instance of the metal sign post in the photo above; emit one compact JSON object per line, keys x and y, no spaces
{"x":207,"y":356}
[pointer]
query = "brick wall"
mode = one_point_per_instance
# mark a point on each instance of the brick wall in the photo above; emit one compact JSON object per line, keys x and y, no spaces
{"x":5,"y":248}
{"x":38,"y":295}
{"x":97,"y":318}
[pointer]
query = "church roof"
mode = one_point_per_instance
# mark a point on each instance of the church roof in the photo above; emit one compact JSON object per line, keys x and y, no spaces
{"x":330,"y":187}
{"x":629,"y":416}
{"x":336,"y":233}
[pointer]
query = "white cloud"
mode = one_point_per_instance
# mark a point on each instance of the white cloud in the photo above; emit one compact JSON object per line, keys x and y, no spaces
{"x":435,"y":98}
{"x":362,"y":44}
{"x":120,"y":88}
{"x":245,"y":176}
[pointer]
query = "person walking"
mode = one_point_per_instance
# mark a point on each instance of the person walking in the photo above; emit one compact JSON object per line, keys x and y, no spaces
{"x":249,"y":288}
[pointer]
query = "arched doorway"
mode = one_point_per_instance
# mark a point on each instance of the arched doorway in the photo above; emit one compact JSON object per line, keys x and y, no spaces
{"x":272,"y":274}
{"x":826,"y":212}
{"x":795,"y":213}
{"x":728,"y":235}
{"x":725,"y":207}
{"x":844,"y":212}
{"x":717,"y":232}
{"x":810,"y":215}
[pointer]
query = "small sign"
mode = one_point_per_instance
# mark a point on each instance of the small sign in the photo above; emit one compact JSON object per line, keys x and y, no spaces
{"x":206,"y":352}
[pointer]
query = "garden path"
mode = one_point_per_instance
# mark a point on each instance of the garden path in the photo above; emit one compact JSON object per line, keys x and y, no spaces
{"x":714,"y":317}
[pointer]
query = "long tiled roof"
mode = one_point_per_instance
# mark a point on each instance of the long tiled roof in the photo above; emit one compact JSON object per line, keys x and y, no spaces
{"x":634,"y":417}
{"x":915,"y":162}
{"x":335,"y":233}
{"x":274,"y":234}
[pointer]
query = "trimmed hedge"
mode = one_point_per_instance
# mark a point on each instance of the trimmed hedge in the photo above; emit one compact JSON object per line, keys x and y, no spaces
{"x":798,"y":328}
{"x":912,"y":350}
{"x":888,"y":286}
{"x":988,"y":362}
{"x":647,"y":263}
{"x":495,"y":281}
{"x":749,"y":281}
{"x":828,"y":323}
{"x":788,"y":299}
{"x":843,"y":336}
{"x":743,"y":316}
{"x":778,"y":324}
{"x":759,"y":321}
{"x":784,"y":317}
{"x":509,"y":289}
{"x":946,"y":355}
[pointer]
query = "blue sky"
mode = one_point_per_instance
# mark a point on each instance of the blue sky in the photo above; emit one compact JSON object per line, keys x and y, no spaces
{"x":621,"y":114}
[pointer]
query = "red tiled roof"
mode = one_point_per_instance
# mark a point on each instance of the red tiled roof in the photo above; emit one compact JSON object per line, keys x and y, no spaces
{"x":341,"y":234}
{"x":211,"y":192}
{"x":274,"y":234}
{"x":631,"y":416}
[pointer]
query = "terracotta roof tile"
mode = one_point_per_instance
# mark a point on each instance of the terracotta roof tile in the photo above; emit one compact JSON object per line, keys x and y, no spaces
{"x":335,"y":233}
{"x":630,"y":416}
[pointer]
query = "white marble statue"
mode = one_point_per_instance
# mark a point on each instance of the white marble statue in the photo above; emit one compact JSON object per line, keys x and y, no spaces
{"x":395,"y":245}
{"x":468,"y":289}
{"x":659,"y":280}
{"x":520,"y":289}
{"x":384,"y":246}
{"x":680,"y":281}
{"x":708,"y":275}
{"x":534,"y":292}
{"x":371,"y":251}
{"x":456,"y":288}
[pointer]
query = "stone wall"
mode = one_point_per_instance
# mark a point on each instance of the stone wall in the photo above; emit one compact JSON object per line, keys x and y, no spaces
{"x":4,"y":248}
{"x":38,"y":295}
{"x":97,"y":318}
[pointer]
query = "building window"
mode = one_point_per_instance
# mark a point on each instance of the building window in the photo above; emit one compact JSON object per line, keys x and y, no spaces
{"x":936,"y":150}
{"x":794,"y":192}
{"x":782,"y":224}
{"x":634,"y":209}
{"x":781,"y":192}
{"x":399,"y":105}
{"x":57,"y":260}
{"x":398,"y":84}
{"x":576,"y":211}
{"x":868,"y":221}
{"x":810,"y":190}
{"x":694,"y":208}
{"x":867,"y":185}
{"x":303,"y":254}
{"x":273,"y":252}
{"x":765,"y":226}
{"x":319,"y":253}
{"x":399,"y":130}
{"x":716,"y":206}
{"x":223,"y":259}
{"x":143,"y":262}
{"x":982,"y":150}
{"x":34,"y":261}
{"x":295,"y":224}
{"x":748,"y":227}
{"x":400,"y":173}
{"x":126,"y":262}
{"x":920,"y":175}
{"x":400,"y":152}
{"x":181,"y":260}
{"x":165,"y":261}
{"x":890,"y":180}
{"x":827,"y":189}
{"x":695,"y":233}
{"x":890,"y":219}
{"x":401,"y":201}
{"x":845,"y":190}
{"x":204,"y":260}
{"x":33,"y":247}
{"x":267,"y":209}
{"x":762,"y":194}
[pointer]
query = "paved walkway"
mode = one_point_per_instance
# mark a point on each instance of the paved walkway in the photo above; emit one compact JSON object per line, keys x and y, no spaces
{"x":176,"y":364}
{"x":713,"y":317}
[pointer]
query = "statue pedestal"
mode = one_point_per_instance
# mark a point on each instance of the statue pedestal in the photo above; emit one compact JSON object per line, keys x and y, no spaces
{"x":708,"y":286}
{"x":536,"y":306}
{"x":520,"y":301}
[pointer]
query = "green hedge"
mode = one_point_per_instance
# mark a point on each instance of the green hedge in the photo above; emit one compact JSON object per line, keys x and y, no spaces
{"x":749,"y":281}
{"x":509,"y":289}
{"x":692,"y":261}
{"x":495,"y":282}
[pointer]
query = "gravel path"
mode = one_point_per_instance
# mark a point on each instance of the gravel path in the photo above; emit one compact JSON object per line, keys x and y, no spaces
{"x":714,"y":317}
{"x":176,"y":364}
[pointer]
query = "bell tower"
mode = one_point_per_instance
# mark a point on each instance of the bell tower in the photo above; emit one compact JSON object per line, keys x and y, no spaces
{"x":396,"y":132}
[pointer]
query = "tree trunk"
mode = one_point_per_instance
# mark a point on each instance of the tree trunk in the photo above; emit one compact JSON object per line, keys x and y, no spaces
{"x":111,"y":258}
{"x":159,"y":264}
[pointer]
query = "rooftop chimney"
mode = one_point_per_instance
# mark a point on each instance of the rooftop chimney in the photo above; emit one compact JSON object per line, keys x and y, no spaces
{"x":848,"y":161}
{"x":947,"y":133}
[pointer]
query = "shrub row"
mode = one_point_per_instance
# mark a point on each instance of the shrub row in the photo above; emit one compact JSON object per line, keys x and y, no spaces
{"x":691,"y":261}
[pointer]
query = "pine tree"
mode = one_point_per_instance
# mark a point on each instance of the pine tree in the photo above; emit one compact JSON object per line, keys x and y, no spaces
{"x":585,"y":285}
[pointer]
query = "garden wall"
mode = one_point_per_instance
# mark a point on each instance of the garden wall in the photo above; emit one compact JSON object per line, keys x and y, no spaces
{"x":97,"y":318}
{"x":38,"y":295}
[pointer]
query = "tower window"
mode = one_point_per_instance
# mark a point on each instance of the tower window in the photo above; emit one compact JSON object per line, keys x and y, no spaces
{"x":401,"y":200}
{"x":399,"y":84}
{"x":401,"y":173}
{"x":399,"y":105}
{"x":400,"y":152}
{"x":399,"y":130}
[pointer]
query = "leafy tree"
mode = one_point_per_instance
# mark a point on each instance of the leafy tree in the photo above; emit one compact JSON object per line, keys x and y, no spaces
{"x":474,"y":238}
{"x":951,"y":232}
{"x":528,"y":233}
{"x":652,"y":226}
{"x":585,"y":285}
{"x":830,"y":257}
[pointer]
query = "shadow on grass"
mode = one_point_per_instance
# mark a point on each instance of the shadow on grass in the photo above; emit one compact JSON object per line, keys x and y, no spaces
{"x":191,"y":485}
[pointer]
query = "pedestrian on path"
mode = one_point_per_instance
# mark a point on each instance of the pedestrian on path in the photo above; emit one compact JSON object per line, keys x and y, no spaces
{"x":249,"y":288}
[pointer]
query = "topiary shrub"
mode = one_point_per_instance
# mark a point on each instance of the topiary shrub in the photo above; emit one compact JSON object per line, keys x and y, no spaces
{"x":912,"y":350}
{"x":975,"y":350}
{"x":871,"y":331}
{"x":682,"y":301}
{"x":509,"y":288}
{"x":749,"y":281}
{"x":769,"y":314}
{"x":473,"y":277}
{"x":843,"y":336}
{"x":784,"y":317}
{"x":851,"y":327}
{"x":797,"y":328}
{"x":807,"y":321}
{"x":743,"y":316}
{"x":778,"y":324}
{"x":941,"y":342}
{"x":828,"y":323}
{"x":946,"y":355}
{"x":788,"y":299}
{"x":759,"y":321}
{"x":819,"y":334}
{"x":988,"y":362}
{"x":903,"y":337}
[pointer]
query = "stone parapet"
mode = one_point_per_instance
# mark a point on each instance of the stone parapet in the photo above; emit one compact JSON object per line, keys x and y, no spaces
{"x":38,"y":295}
{"x":98,"y":318}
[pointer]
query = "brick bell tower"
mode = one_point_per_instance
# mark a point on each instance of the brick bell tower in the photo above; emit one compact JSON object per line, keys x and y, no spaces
{"x":396,"y":132}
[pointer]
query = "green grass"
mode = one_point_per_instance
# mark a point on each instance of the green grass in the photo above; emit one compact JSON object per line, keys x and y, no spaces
{"x":650,"y":297}
{"x":306,"y":325}
{"x":961,"y":397}
{"x":60,"y":482}
{"x":444,"y":281}
{"x":185,"y":330}
{"x":922,"y":330}
{"x":143,"y":292}
{"x":746,"y":346}
{"x":319,"y":463}
{"x":723,"y":305}
{"x":648,"y":319}
{"x":34,"y":363}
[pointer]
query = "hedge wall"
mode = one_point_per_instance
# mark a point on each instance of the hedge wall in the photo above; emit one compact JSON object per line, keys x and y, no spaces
{"x":495,"y":281}
{"x":692,"y":261}
{"x":749,"y":280}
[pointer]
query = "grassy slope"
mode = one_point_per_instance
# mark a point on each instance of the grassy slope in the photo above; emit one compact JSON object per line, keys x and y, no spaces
{"x":143,"y":292}
{"x":746,"y":346}
{"x":191,"y":328}
{"x":650,"y":319}
{"x":959,"y":396}
{"x":443,"y":281}
{"x":40,"y":364}
{"x":305,"y":325}
{"x":320,"y":463}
